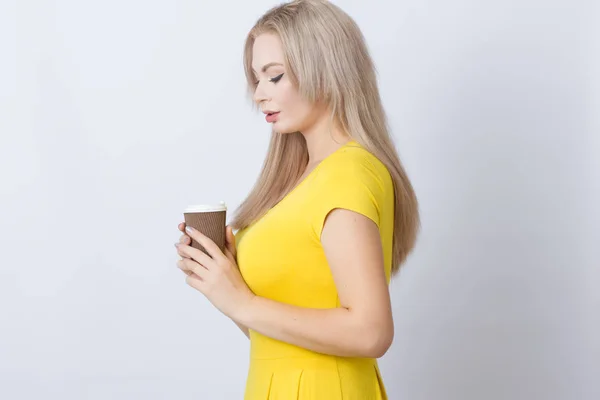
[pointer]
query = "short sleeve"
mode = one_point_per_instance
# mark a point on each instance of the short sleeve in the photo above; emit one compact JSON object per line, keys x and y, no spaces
{"x":348,"y":182}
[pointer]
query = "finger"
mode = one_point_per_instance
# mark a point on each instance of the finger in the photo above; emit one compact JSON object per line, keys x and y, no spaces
{"x":230,"y":241}
{"x":185,"y":271}
{"x":197,"y":255}
{"x":230,"y":256}
{"x":182,"y":240}
{"x":185,"y":239}
{"x":179,"y":252}
{"x":191,"y":267}
{"x":213,"y":250}
{"x":195,"y":282}
{"x":183,"y":268}
{"x":181,"y":227}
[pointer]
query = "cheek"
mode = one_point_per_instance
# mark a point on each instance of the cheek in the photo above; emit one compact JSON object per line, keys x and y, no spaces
{"x":287,"y":96}
{"x":297,"y":110}
{"x":298,"y":114}
{"x":298,"y":119}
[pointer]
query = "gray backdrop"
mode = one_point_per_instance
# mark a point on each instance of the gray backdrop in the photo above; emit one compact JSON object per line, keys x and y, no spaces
{"x":115,"y":115}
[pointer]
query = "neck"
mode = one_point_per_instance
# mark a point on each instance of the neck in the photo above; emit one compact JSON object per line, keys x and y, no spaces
{"x":322,"y":139}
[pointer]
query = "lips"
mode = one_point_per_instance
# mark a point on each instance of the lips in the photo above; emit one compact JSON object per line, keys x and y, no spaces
{"x":271,"y":116}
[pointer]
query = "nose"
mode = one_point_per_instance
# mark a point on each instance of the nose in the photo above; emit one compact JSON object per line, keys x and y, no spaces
{"x":259,"y":94}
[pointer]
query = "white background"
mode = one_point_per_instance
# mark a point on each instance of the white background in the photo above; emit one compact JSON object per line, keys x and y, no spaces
{"x":115,"y":115}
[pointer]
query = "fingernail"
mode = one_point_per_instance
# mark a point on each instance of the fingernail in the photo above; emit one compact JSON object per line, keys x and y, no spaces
{"x":176,"y":244}
{"x":189,"y":229}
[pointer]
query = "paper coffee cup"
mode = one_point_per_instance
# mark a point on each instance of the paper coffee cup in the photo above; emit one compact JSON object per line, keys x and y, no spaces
{"x":210,"y":220}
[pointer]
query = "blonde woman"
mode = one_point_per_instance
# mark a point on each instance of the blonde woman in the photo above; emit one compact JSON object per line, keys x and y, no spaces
{"x":330,"y":220}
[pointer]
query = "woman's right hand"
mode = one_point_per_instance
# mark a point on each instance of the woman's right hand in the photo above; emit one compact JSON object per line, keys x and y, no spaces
{"x":185,"y":239}
{"x":230,"y":244}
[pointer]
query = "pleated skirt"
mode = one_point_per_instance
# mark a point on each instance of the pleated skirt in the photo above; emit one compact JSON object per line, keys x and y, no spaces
{"x":315,"y":378}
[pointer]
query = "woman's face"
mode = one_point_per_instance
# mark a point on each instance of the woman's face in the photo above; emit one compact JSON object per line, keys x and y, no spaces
{"x":275,"y":94}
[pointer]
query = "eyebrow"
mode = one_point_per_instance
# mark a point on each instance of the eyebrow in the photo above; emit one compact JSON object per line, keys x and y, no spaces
{"x":267,"y":66}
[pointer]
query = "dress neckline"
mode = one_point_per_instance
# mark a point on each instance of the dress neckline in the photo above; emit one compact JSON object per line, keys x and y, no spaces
{"x":304,"y":180}
{"x":314,"y":171}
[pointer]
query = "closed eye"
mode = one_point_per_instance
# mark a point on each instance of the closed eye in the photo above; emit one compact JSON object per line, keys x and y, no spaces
{"x":276,"y":78}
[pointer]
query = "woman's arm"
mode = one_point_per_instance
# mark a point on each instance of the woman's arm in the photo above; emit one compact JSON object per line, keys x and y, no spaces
{"x":243,"y":329}
{"x":363,"y":325}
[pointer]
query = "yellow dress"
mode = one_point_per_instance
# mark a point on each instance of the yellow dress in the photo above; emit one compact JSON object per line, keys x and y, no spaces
{"x":281,"y":258}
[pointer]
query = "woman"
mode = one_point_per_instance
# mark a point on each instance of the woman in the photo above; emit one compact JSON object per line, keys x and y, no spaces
{"x":330,"y":220}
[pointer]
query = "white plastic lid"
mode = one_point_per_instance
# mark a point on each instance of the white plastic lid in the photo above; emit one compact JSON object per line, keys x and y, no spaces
{"x":206,"y":207}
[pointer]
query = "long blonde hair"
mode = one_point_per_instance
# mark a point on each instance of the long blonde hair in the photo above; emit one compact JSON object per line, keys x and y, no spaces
{"x":327,"y":60}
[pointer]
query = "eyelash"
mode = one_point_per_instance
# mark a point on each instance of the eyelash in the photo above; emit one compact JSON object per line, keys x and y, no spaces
{"x":274,"y":79}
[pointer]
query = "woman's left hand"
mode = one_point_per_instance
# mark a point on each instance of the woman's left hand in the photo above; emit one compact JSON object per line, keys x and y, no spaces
{"x":216,"y":275}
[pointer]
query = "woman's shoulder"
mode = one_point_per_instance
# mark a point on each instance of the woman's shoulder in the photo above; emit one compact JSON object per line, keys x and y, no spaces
{"x":354,"y":179}
{"x":354,"y":162}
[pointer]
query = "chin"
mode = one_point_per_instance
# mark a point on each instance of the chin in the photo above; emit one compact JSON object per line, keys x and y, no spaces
{"x":282,"y":129}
